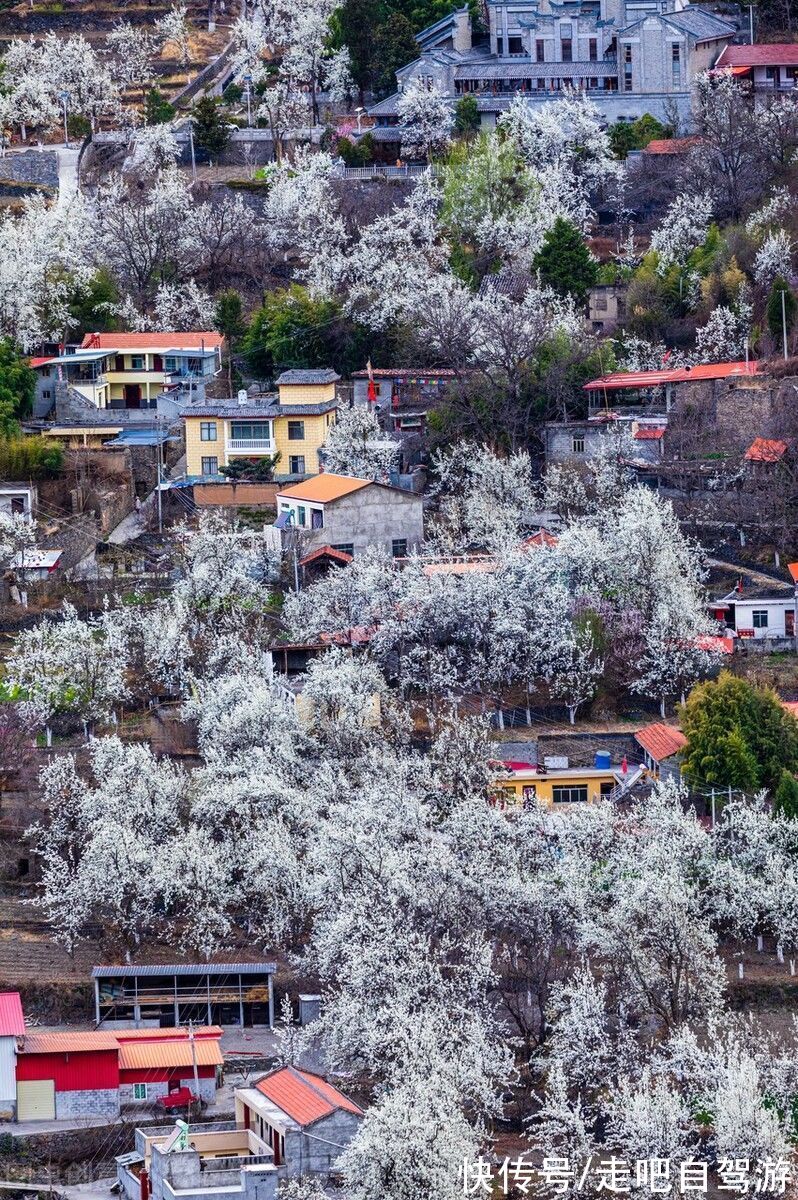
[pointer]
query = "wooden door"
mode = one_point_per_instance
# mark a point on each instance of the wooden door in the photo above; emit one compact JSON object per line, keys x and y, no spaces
{"x":132,"y":395}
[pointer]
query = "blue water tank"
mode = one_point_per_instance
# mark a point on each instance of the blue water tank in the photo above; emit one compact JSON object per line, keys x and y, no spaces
{"x":603,"y":760}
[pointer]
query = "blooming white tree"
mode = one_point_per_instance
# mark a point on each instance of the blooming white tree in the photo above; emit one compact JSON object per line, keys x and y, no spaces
{"x":426,"y":118}
{"x":174,"y":33}
{"x":774,"y":257}
{"x":357,"y":446}
{"x":286,"y":112}
{"x":152,"y":148}
{"x":683,"y":228}
{"x":576,"y":665}
{"x":726,"y":333}
{"x":134,"y":50}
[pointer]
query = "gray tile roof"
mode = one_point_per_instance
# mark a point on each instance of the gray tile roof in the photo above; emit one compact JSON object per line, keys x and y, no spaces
{"x":325,"y":375}
{"x":699,"y":24}
{"x":526,"y":69}
{"x":387,"y":133}
{"x":251,"y":412}
{"x":385,"y":108}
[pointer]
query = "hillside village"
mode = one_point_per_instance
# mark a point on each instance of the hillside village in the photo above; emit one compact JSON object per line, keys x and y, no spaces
{"x":398,"y":599}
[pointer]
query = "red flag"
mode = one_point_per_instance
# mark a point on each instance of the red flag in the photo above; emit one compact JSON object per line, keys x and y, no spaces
{"x":372,"y":391}
{"x":624,"y":765}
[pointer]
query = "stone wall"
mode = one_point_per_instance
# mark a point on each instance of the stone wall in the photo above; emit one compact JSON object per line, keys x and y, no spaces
{"x":92,"y":1102}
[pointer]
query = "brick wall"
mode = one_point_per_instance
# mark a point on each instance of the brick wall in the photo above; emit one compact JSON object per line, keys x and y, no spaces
{"x":232,"y":495}
{"x":93,"y":1102}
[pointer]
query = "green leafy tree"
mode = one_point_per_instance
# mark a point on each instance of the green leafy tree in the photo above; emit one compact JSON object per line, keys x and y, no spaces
{"x":354,"y":25}
{"x":230,"y":322}
{"x":738,"y":735}
{"x":17,"y":388}
{"x":157,"y":109}
{"x":257,"y":470}
{"x":786,"y":798}
{"x":564,"y":261}
{"x":30,"y":457}
{"x":774,"y":312}
{"x":635,"y":135}
{"x":210,"y":125}
{"x":466,"y":115}
{"x":395,"y":46}
{"x":91,"y":308}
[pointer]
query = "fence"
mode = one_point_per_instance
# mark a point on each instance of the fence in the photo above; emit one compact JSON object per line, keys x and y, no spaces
{"x":379,"y":171}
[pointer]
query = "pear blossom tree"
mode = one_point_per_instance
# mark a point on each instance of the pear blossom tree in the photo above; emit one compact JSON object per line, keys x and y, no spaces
{"x":153,"y":147}
{"x":174,"y":33}
{"x":426,"y":118}
{"x":286,"y":112}
{"x":576,"y":665}
{"x":683,"y":228}
{"x":357,"y":446}
{"x":134,"y":51}
{"x":774,"y":257}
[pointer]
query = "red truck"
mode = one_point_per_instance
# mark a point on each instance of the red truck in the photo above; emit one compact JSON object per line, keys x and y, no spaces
{"x":179,"y":1099}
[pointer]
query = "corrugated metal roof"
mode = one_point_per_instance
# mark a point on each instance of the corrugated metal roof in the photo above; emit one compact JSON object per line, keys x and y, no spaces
{"x":12,"y":1022}
{"x":767,"y":450}
{"x":304,"y":1097}
{"x":142,"y":972}
{"x":69,"y":1043}
{"x":661,"y":741}
{"x":777,"y":54}
{"x":135,"y":1056}
{"x":642,"y":379}
{"x":159,"y":1035}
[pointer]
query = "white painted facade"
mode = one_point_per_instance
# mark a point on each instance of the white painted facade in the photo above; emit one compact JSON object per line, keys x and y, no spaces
{"x":8,"y":1076}
{"x":773,"y":617}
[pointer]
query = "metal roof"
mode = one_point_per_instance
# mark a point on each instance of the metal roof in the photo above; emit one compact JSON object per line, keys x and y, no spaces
{"x":141,"y":437}
{"x":132,"y":972}
{"x":169,"y":1053}
{"x":12,"y":1022}
{"x":74,"y":1042}
{"x":643,"y":379}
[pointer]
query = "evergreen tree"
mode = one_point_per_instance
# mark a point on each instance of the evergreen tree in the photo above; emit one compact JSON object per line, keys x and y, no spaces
{"x":774,"y":310}
{"x":786,"y":798}
{"x":466,"y":115}
{"x":394,"y":47}
{"x":91,"y":309}
{"x":17,"y":388}
{"x":210,"y":126}
{"x":230,"y":322}
{"x":157,"y":109}
{"x":564,"y":261}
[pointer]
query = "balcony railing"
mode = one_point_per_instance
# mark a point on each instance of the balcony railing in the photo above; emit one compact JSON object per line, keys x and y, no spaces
{"x":250,"y":446}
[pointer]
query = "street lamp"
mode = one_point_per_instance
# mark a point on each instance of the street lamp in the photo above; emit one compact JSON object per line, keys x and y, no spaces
{"x":359,"y":112}
{"x":64,"y":98}
{"x":248,"y":82}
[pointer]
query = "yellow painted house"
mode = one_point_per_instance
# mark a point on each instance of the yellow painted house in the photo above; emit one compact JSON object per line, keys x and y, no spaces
{"x":294,"y":424}
{"x":519,"y":785}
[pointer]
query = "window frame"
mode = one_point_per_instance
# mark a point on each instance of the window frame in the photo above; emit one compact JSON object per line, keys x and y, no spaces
{"x":760,"y":618}
{"x":577,"y":443}
{"x":139,"y":1091}
{"x":293,"y":435}
{"x":208,"y":431}
{"x":346,"y":548}
{"x":206,"y":459}
{"x":138,"y":362}
{"x":401,"y":542}
{"x":580,"y":788}
{"x":296,"y":470}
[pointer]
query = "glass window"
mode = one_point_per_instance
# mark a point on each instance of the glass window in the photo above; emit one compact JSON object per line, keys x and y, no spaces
{"x":540,"y":50}
{"x":296,"y":431}
{"x":567,"y":53}
{"x":207,"y":431}
{"x":569,"y":795}
{"x":627,"y":54}
{"x":578,"y":444}
{"x":302,"y":515}
{"x":316,"y":518}
{"x":399,"y":547}
{"x":139,"y":1091}
{"x":210,"y":466}
{"x":346,"y":548}
{"x":255,"y":431}
{"x":760,"y":618}
{"x":592,"y":50}
{"x":137,"y":362}
{"x":170,"y":363}
{"x":296,"y":464}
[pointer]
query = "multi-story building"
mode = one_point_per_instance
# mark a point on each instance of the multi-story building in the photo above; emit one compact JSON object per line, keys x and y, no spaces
{"x":293,"y":423}
{"x":130,"y":370}
{"x":630,"y":56}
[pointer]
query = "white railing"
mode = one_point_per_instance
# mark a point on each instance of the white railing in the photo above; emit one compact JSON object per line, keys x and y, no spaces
{"x":251,"y":445}
{"x":409,"y":172}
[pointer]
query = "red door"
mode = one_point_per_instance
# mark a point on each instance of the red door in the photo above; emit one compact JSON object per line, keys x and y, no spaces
{"x":119,"y":364}
{"x":789,"y":622}
{"x":132,"y":395}
{"x":157,"y":362}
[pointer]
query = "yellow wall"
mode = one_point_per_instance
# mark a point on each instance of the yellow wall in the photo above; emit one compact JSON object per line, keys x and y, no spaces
{"x":512,"y":789}
{"x":196,"y":450}
{"x":306,"y":393}
{"x":316,"y":428}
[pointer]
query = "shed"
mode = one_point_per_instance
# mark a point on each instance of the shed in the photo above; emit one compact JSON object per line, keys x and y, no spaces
{"x":210,"y":993}
{"x":660,"y":744}
{"x":12,"y":1026}
{"x":62,"y":1075}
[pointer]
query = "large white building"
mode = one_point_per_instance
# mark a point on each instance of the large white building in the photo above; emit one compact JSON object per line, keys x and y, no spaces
{"x":630,"y":56}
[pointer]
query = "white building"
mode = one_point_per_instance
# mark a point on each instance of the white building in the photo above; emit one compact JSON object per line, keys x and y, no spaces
{"x":12,"y":1026}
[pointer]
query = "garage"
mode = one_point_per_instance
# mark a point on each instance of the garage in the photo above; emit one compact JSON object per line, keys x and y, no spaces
{"x":36,"y":1100}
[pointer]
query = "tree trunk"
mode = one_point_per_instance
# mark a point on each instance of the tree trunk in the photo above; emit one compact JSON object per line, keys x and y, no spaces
{"x":572,"y":713}
{"x":662,"y":706}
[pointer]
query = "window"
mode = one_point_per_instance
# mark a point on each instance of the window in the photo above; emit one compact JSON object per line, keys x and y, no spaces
{"x":47,"y":394}
{"x":346,"y":548}
{"x":139,"y":1091}
{"x":170,"y":363}
{"x":252,"y":431}
{"x":399,"y":547}
{"x":302,"y":516}
{"x":569,"y":795}
{"x":500,"y":45}
{"x":608,"y":788}
{"x":567,"y":53}
{"x":207,"y":431}
{"x":627,"y":54}
{"x":676,"y":64}
{"x":770,"y":73}
{"x":296,"y":464}
{"x":759,"y":618}
{"x":296,"y":431}
{"x":210,"y":466}
{"x":515,"y":45}
{"x":17,"y":506}
{"x":578,"y":443}
{"x":592,"y":50}
{"x":540,"y":50}
{"x":137,"y":362}
{"x":600,"y":302}
{"x":317,"y":518}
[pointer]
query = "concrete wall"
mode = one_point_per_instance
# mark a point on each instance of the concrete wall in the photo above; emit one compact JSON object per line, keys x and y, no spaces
{"x":127,"y":1097}
{"x":373,"y":516}
{"x":8,"y":1079}
{"x":560,"y":442}
{"x":317,"y":1155}
{"x":93,"y":1102}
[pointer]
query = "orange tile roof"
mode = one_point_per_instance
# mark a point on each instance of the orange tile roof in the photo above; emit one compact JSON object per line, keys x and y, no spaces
{"x":542,"y":539}
{"x":69,"y":1043}
{"x":768,"y":450}
{"x":169,"y":1053}
{"x":152,"y":341}
{"x":671,"y":145}
{"x":793,"y":569}
{"x":661,"y":741}
{"x":321,"y":489}
{"x":303,"y":1096}
{"x":646,"y":434}
{"x":637,"y":379}
{"x":326,"y":552}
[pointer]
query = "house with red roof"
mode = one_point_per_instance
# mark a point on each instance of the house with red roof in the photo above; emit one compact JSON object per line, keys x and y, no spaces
{"x":12,"y":1027}
{"x":661,"y":744}
{"x":771,"y":67}
{"x":306,"y":1120}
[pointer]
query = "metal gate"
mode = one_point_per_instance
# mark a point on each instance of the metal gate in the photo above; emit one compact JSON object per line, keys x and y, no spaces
{"x":36,"y":1100}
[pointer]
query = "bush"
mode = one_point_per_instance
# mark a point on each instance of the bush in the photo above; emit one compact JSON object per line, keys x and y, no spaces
{"x":30,"y":458}
{"x":466,"y":115}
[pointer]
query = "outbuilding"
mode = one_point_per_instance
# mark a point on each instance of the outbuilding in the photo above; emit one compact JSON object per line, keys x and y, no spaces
{"x":12,"y":1026}
{"x":62,"y":1075}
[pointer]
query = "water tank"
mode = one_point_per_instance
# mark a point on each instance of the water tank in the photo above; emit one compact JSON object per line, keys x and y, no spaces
{"x":603,"y":760}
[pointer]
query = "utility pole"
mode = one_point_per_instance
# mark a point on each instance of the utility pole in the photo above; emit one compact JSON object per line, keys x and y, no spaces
{"x":784,"y":321}
{"x":194,"y":1062}
{"x":751,"y":22}
{"x":158,"y":452}
{"x":191,"y":144}
{"x":248,"y":82}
